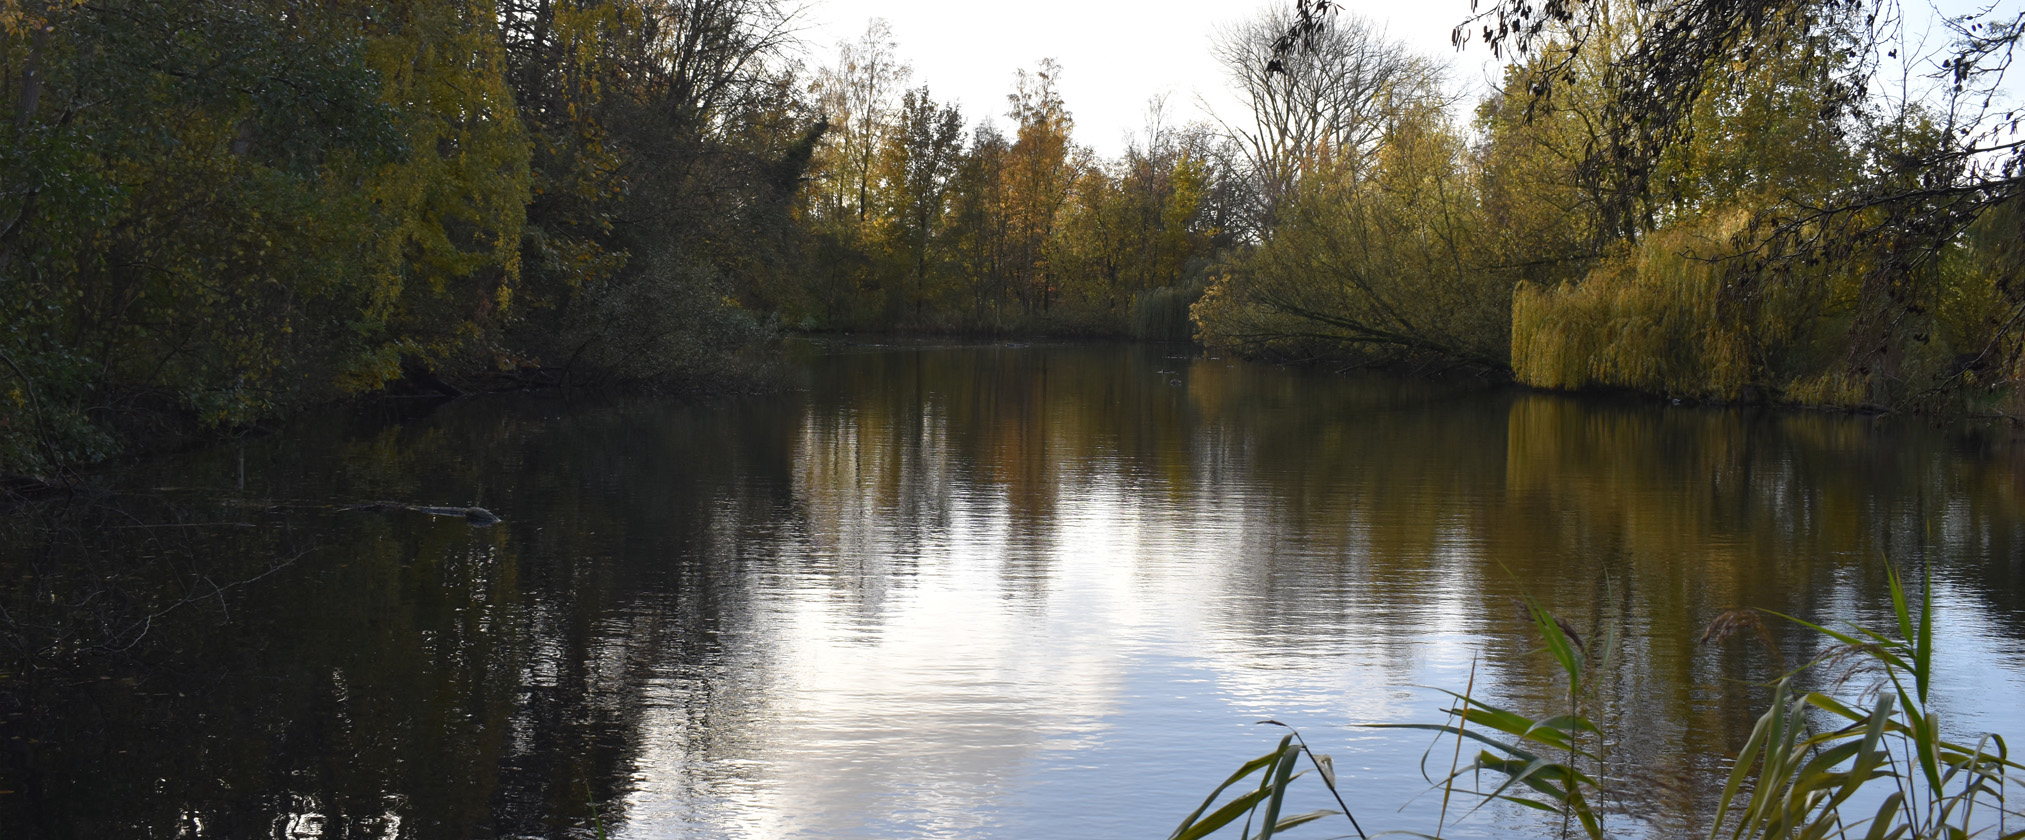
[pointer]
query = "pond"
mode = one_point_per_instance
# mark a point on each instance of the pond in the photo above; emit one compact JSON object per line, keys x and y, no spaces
{"x":955,"y":589}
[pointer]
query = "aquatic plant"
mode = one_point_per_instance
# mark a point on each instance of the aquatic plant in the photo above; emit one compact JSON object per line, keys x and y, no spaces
{"x":1814,"y":767}
{"x":1276,"y":773}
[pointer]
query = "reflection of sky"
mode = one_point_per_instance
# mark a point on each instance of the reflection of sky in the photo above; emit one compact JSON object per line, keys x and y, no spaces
{"x":1078,"y":693}
{"x":1975,"y":660}
{"x":1029,"y":632}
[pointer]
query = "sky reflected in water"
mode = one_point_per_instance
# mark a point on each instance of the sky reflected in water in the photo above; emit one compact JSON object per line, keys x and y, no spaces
{"x":968,"y":591}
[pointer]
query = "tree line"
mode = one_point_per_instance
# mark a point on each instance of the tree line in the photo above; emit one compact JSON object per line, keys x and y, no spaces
{"x":917,"y":219}
{"x":214,"y":212}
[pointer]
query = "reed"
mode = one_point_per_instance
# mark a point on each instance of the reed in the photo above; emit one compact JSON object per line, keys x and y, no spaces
{"x":1809,"y":761}
{"x":1794,"y":779}
{"x":1275,"y":771}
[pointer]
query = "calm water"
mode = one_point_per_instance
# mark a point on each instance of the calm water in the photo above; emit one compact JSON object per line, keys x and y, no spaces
{"x":963,"y":591}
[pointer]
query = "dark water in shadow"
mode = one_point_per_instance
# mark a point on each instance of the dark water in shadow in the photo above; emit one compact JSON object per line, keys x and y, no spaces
{"x":949,"y":591}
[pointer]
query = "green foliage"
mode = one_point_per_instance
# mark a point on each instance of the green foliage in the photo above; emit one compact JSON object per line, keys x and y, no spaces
{"x":1775,"y":235}
{"x":1793,"y":779}
{"x":668,"y":147}
{"x":1657,"y":317}
{"x":215,"y":212}
{"x":1553,"y":764}
{"x":1978,"y":312}
{"x":229,"y":210}
{"x":1780,"y":245}
{"x":911,"y":225}
{"x":1373,"y":262}
{"x":1162,"y":314}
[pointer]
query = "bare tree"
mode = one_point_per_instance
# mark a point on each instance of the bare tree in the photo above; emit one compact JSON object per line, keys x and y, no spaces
{"x":1330,"y":99}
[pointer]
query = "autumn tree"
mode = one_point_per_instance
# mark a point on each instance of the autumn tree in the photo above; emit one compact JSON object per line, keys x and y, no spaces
{"x":216,"y":212}
{"x":1374,"y":262}
{"x":1040,"y":168}
{"x":859,"y":96}
{"x":670,"y":144}
{"x":981,"y":225}
{"x":919,"y":164}
{"x":1132,"y":226}
{"x":1825,"y":217}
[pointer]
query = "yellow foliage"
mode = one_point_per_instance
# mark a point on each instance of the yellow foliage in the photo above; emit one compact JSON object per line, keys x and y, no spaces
{"x":1689,"y":311}
{"x":1647,"y":317}
{"x":15,"y":19}
{"x":457,"y":202}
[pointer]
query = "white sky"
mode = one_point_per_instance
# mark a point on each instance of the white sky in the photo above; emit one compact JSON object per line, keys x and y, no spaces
{"x":1115,"y":54}
{"x":1118,"y":54}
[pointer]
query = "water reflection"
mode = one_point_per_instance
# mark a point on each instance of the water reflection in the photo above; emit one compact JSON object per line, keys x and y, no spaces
{"x":945,"y":591}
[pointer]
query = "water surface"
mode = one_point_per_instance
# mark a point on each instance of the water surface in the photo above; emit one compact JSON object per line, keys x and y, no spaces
{"x":951,"y":590}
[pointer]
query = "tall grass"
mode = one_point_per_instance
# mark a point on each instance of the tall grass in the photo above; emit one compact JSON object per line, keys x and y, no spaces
{"x":1811,"y":769}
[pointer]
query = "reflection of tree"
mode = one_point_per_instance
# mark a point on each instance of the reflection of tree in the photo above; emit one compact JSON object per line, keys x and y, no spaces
{"x":631,"y":617}
{"x":1358,"y":507}
{"x":471,"y":678}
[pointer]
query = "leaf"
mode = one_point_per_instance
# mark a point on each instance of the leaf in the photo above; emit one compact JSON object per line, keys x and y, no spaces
{"x":1246,"y":769}
{"x":1221,"y":817}
{"x":1281,"y":775}
{"x":1761,"y":734}
{"x":1298,"y":820}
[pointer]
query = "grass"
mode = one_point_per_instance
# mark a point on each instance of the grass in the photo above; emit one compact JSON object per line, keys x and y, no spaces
{"x":1810,"y":760}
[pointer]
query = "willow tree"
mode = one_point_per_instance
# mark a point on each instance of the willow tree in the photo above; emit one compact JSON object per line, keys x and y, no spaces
{"x":1916,"y":172}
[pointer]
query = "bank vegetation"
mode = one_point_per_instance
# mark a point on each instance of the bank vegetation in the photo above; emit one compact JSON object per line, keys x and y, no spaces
{"x":1775,"y":200}
{"x":213,"y":213}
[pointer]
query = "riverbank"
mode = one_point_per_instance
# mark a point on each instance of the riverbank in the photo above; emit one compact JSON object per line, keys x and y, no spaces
{"x":127,"y":429}
{"x":165,"y":429}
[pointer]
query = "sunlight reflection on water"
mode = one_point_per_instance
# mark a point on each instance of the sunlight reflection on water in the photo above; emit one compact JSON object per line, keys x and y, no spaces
{"x":977,"y":591}
{"x":1054,"y":638}
{"x":981,"y":677}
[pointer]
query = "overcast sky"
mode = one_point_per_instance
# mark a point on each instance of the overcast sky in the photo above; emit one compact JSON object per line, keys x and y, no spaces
{"x":1118,"y":54}
{"x":1115,"y":55}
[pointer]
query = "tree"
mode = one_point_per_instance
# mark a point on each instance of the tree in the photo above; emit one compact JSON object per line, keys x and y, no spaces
{"x":214,"y":211}
{"x":1698,"y":78}
{"x":981,"y":224}
{"x":919,"y":164}
{"x":1327,"y":99}
{"x":1040,"y":168}
{"x":858,"y":96}
{"x":670,"y":146}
